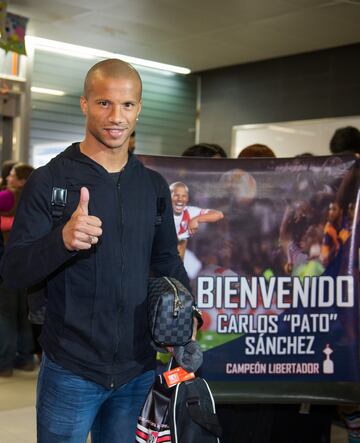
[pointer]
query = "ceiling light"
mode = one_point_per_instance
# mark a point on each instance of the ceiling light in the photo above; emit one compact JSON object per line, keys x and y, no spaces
{"x":47,"y":91}
{"x":291,"y":130}
{"x":63,"y":51}
{"x":255,"y":126}
{"x":281,"y":129}
{"x":85,"y":52}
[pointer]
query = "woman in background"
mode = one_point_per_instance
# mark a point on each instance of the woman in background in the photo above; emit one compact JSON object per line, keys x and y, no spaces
{"x":16,"y":338}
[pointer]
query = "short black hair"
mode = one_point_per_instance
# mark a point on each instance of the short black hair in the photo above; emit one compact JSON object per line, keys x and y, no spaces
{"x":344,"y":140}
{"x":204,"y":150}
{"x":23,"y":170}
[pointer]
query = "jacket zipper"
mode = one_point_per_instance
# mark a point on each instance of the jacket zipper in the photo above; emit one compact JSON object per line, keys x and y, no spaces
{"x":120,"y":228}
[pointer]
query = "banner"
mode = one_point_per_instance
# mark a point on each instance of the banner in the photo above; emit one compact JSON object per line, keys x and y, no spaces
{"x":272,"y":250}
{"x":3,"y":6}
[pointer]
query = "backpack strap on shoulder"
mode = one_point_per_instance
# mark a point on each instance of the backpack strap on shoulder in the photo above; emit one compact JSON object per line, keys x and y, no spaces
{"x":58,"y":202}
{"x":59,"y":191}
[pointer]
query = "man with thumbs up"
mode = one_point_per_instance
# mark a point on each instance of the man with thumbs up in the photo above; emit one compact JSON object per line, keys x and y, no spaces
{"x":98,"y":363}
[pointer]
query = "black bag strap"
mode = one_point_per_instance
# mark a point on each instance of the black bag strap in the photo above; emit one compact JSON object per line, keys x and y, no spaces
{"x":206,"y":419}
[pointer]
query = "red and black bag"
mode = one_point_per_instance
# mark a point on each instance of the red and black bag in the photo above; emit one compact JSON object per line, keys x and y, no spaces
{"x":153,"y":424}
{"x":182,"y":414}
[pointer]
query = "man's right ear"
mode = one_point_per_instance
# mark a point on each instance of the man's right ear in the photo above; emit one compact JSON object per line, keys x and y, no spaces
{"x":83,"y":105}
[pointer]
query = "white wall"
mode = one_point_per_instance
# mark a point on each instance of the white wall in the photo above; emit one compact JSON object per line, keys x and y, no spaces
{"x":288,"y":139}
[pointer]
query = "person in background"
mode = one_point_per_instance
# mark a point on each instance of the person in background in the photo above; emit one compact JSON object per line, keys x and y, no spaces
{"x":256,"y":150}
{"x":335,"y":233}
{"x":16,"y":339}
{"x":98,"y":363}
{"x":211,"y":150}
{"x":9,"y":196}
{"x":6,"y":167}
{"x":345,"y":140}
{"x":5,"y":171}
{"x":132,"y":142}
{"x":304,"y":154}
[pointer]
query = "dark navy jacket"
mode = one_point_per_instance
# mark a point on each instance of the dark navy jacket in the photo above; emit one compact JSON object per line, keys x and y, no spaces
{"x":96,"y":323}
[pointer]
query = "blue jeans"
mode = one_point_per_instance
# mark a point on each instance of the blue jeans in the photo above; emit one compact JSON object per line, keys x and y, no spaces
{"x":68,"y":407}
{"x":16,"y":337}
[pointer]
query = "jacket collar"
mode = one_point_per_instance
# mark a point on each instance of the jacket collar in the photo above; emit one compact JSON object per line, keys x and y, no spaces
{"x":73,"y":152}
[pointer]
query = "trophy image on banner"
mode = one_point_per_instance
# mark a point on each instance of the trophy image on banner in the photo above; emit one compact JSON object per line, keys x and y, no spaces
{"x":328,"y":365}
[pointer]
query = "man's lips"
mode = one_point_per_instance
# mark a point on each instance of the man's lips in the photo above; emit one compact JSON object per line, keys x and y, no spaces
{"x":115,"y":132}
{"x":179,"y":207}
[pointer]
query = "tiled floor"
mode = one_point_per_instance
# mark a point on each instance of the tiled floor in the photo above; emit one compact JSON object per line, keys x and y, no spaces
{"x":338,"y":435}
{"x":17,"y":411}
{"x":17,"y":408}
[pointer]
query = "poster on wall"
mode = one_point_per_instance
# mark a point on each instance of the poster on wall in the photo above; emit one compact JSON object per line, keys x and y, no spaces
{"x":272,"y":250}
{"x":13,"y":36}
{"x":3,"y":7}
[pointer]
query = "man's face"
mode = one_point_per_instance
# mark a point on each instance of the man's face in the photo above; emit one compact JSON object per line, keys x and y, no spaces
{"x":301,"y":211}
{"x":179,"y":198}
{"x":111,"y":108}
{"x":335,"y":213}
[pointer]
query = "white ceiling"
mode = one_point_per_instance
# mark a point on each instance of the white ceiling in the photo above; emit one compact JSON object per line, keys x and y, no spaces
{"x":197,"y":34}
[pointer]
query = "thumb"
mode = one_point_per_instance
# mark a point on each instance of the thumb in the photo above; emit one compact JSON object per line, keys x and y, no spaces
{"x":83,"y":205}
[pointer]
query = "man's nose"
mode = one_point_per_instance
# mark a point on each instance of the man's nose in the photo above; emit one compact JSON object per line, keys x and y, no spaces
{"x":116,"y":115}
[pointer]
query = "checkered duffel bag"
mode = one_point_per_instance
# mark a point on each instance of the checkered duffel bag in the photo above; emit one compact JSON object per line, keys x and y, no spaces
{"x":170,"y":312}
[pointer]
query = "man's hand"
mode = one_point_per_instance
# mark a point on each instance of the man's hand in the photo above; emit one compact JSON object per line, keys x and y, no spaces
{"x":193,"y":225}
{"x":82,"y":230}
